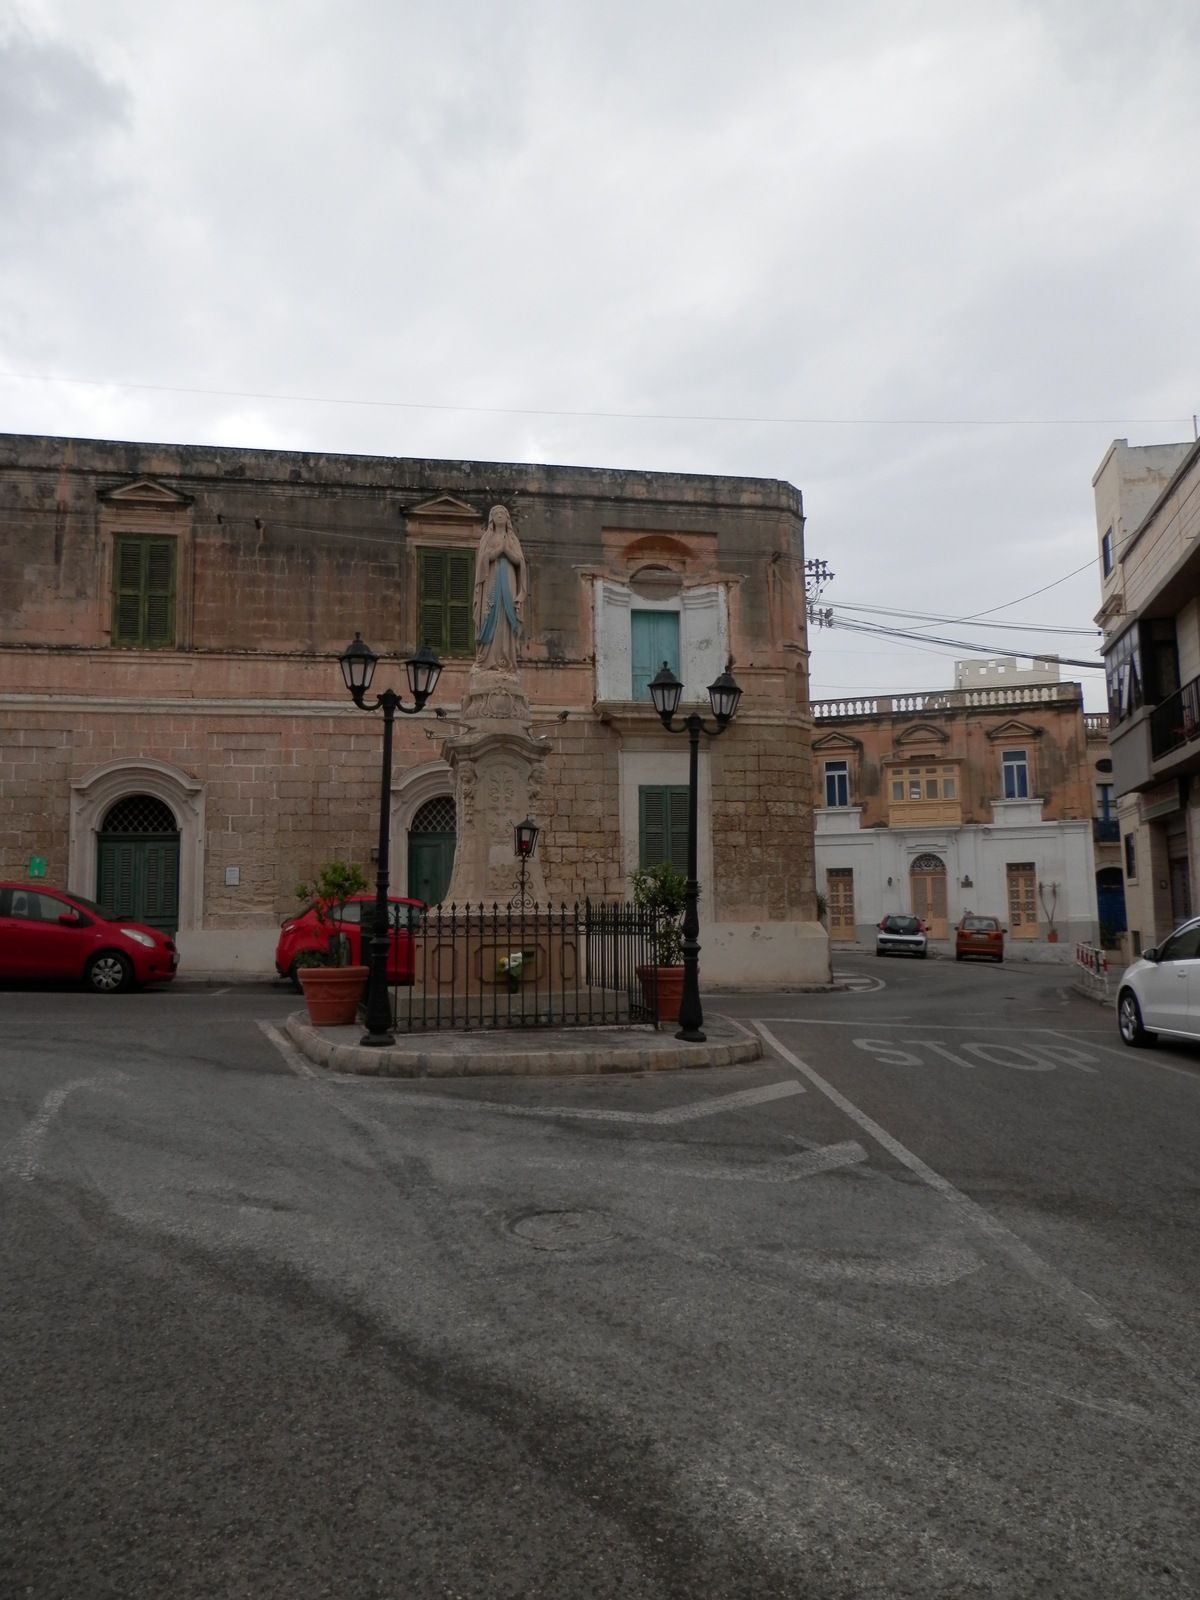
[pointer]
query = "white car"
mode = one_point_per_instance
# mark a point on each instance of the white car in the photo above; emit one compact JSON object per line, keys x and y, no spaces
{"x":1160,"y":992}
{"x":900,"y":935}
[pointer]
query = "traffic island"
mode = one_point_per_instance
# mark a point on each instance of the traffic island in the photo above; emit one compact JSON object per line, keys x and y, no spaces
{"x":549,"y":1052}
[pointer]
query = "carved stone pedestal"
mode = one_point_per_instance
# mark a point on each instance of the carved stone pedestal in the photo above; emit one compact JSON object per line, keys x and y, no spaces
{"x":499,"y":769}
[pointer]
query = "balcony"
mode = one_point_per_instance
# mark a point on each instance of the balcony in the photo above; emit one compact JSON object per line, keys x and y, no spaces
{"x":1106,"y":830}
{"x":1176,"y":722}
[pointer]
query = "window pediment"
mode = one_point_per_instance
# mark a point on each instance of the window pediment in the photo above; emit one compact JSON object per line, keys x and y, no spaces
{"x":445,"y":508}
{"x":1013,"y":731}
{"x":921,"y":733}
{"x":145,"y":492}
{"x":836,"y":744}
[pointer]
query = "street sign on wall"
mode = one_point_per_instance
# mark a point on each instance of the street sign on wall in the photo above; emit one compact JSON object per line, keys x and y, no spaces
{"x":37,"y":866}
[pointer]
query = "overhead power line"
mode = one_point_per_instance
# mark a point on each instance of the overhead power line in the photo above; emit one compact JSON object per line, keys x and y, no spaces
{"x":929,"y":616}
{"x":878,"y":628}
{"x":610,"y":416}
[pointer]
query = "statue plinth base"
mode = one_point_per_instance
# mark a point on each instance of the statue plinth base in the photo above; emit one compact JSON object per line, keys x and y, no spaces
{"x":499,"y":769}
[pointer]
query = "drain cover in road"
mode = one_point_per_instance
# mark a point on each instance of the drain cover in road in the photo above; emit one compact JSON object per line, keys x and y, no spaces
{"x":563,"y":1230}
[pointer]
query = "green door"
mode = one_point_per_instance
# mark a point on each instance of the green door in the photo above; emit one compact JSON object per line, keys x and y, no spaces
{"x":432,"y":835}
{"x":430,"y":863}
{"x":137,"y":863}
{"x":138,"y":879}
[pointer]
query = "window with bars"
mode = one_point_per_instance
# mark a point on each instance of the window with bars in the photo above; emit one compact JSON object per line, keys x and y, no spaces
{"x":445,"y":592}
{"x":435,"y":816}
{"x":663,"y":825}
{"x":143,"y":614}
{"x":139,"y":813}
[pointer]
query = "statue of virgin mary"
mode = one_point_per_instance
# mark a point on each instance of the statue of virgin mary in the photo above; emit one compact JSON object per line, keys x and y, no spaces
{"x":500,"y":582}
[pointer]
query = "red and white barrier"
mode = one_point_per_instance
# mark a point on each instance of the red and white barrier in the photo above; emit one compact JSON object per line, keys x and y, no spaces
{"x":1094,"y":962}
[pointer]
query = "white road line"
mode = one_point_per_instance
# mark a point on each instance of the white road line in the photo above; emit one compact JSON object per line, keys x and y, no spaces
{"x":781,"y":1169}
{"x":1135,"y":1058}
{"x":1079,"y":1301}
{"x":23,"y":1163}
{"x":289,"y":1052}
{"x":908,"y":1022}
{"x":672,"y":1115}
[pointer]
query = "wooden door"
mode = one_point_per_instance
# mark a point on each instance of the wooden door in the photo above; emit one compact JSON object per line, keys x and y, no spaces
{"x":839,"y":893}
{"x":927,"y":882}
{"x":1022,"y":900}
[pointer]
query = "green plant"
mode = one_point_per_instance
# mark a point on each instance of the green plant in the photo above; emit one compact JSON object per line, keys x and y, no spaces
{"x":336,"y":883}
{"x":663,"y":890}
{"x":822,"y":906}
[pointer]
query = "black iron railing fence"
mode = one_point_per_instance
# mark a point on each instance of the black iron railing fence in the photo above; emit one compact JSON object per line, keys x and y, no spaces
{"x":539,"y":967}
{"x":1176,"y":721}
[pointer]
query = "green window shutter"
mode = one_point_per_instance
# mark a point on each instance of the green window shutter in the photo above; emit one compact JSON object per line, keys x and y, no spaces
{"x":445,"y":600}
{"x":431,"y":598}
{"x":677,"y":826}
{"x":143,"y":592}
{"x":460,"y":623}
{"x":663,"y":825}
{"x":652,"y":826}
{"x":159,"y":629}
{"x":127,"y":591}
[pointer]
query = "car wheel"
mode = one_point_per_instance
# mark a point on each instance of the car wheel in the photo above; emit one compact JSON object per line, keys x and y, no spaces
{"x":294,"y":977}
{"x":922,"y":954}
{"x":1129,"y":1020}
{"x":109,"y":972}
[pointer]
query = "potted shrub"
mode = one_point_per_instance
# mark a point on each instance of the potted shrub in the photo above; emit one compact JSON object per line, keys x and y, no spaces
{"x":663,"y":891}
{"x":332,"y":987}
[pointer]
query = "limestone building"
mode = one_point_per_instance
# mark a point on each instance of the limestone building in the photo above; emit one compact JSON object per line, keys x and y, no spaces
{"x":175,"y":738}
{"x":959,"y":800}
{"x":1148,"y":527}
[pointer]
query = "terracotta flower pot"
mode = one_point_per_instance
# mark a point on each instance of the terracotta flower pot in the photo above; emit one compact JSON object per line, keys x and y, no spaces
{"x":333,"y":994}
{"x":667,"y":984}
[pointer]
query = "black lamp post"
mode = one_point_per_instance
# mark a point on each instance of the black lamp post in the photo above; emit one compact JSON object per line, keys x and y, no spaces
{"x":724,"y":694}
{"x":525,"y":838}
{"x":358,"y":664}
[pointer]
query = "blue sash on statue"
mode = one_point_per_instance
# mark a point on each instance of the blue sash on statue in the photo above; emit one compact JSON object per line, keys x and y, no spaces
{"x":502,"y":597}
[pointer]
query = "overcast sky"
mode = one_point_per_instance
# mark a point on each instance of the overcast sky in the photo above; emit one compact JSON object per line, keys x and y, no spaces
{"x":929,"y":258}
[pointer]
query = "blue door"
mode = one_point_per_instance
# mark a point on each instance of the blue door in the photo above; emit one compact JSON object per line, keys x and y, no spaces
{"x":655,"y":639}
{"x":1110,"y":902}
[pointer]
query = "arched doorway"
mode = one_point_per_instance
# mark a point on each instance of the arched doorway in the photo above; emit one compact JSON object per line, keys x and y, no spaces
{"x":432,"y":835}
{"x":137,"y":862}
{"x":927,"y":880}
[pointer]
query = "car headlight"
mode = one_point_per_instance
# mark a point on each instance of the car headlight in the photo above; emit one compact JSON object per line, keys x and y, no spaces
{"x":142,"y":938}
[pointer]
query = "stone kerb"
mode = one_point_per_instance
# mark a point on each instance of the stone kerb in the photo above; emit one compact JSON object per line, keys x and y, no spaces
{"x":516,"y":1053}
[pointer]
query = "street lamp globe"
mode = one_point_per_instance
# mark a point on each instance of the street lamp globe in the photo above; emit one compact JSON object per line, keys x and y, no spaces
{"x":358,"y":663}
{"x":665,"y":691}
{"x":424,"y":669}
{"x":724,"y":695}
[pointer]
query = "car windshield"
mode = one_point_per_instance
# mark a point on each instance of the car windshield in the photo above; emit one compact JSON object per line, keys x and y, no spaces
{"x":901,"y":925}
{"x":980,"y":924}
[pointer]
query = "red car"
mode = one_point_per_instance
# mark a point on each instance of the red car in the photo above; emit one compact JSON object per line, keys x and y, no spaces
{"x":49,"y":933}
{"x":356,"y":919}
{"x":979,"y":936}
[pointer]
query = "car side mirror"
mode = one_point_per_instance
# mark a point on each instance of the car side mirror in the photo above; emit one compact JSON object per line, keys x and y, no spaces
{"x":69,"y":919}
{"x":1150,"y":954}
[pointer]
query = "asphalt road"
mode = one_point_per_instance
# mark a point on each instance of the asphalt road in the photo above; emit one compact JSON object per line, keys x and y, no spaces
{"x":907,"y":1309}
